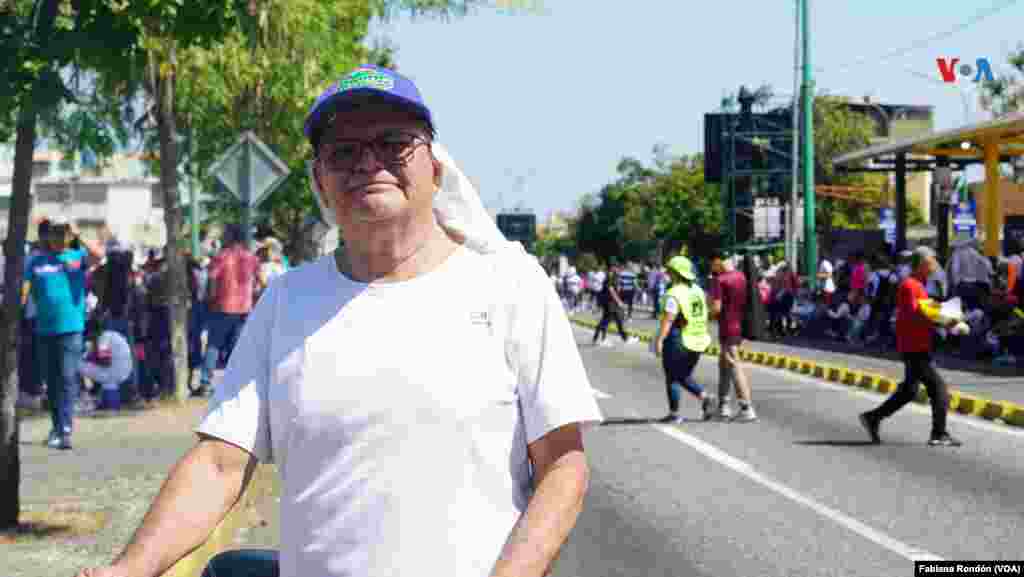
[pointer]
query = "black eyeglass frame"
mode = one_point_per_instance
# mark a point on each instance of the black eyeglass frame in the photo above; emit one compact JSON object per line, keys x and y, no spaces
{"x":390,"y":158}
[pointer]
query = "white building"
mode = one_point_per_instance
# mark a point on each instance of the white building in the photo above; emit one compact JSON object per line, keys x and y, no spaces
{"x":121,"y":195}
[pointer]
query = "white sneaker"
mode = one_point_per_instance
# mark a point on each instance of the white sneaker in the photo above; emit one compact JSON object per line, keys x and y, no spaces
{"x":746,"y":415}
{"x":724,"y":410}
{"x":632,"y":340}
{"x":607,"y":343}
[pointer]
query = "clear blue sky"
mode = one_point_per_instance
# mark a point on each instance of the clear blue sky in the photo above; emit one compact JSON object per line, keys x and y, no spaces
{"x":552,"y":101}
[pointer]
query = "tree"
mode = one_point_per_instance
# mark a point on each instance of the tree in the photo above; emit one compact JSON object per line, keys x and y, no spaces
{"x":42,"y":39}
{"x":263,"y":79}
{"x":1005,"y":95}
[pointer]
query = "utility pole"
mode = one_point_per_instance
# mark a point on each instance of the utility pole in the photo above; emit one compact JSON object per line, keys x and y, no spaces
{"x":810,"y":236}
{"x":792,"y":248}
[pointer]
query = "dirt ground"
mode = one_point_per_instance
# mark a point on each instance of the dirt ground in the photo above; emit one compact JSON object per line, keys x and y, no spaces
{"x":79,"y":507}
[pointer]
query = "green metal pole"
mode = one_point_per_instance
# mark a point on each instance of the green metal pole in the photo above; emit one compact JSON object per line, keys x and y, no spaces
{"x":193,"y":202}
{"x":810,"y":237}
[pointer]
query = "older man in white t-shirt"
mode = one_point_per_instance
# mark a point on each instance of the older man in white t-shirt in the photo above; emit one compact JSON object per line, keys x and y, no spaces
{"x":420,"y":390}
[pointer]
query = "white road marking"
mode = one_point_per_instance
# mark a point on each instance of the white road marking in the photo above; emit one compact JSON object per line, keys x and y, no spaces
{"x":973,"y":422}
{"x":748,"y":471}
{"x":600,"y":394}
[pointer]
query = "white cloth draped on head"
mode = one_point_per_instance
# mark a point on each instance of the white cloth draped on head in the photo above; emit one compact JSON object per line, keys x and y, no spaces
{"x":457,"y":206}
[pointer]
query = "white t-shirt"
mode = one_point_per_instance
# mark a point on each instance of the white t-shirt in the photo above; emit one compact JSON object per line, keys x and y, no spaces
{"x":596,"y":281}
{"x":399,"y":413}
{"x":828,"y":284}
{"x":120,"y":368}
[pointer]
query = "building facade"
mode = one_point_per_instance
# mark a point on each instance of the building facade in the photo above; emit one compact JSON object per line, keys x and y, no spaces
{"x":121,"y":195}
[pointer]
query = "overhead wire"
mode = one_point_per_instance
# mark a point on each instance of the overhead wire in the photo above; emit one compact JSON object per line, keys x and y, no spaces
{"x":922,"y":42}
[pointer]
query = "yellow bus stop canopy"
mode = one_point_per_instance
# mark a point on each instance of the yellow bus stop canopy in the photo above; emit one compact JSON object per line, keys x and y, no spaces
{"x":989,"y":142}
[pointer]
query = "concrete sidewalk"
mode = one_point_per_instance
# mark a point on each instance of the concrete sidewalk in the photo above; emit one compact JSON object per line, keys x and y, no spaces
{"x":116,"y":468}
{"x":1007,"y":386}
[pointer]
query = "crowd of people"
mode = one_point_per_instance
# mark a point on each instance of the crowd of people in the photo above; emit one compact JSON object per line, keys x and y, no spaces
{"x":95,"y":331}
{"x":854,"y":300}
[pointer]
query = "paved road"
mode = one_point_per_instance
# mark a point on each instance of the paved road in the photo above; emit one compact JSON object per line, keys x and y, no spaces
{"x":997,"y":383}
{"x":798,"y":493}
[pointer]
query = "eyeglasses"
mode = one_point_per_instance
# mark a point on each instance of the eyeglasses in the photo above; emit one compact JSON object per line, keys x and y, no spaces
{"x":393,"y":149}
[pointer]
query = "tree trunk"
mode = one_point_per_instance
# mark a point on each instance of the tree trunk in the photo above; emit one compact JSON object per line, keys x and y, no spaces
{"x":176,"y":271}
{"x":10,"y":457}
{"x":10,"y":313}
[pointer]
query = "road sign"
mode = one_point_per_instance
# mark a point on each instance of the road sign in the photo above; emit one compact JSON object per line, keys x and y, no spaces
{"x":965,"y":225}
{"x":250,"y":171}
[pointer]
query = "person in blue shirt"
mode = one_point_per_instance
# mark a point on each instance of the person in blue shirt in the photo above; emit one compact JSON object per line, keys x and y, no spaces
{"x":56,"y":282}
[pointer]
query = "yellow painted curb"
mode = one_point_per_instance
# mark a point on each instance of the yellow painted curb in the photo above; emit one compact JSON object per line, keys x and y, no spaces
{"x":970,"y":405}
{"x":769,"y":360}
{"x":886,"y":386}
{"x":954,"y":401}
{"x":1016,"y":416}
{"x":792,"y":364}
{"x":996,"y":410}
{"x":834,"y":374}
{"x":869,"y":381}
{"x":852,"y":378}
{"x":781,"y":361}
{"x":759,"y":357}
{"x":819,"y":371}
{"x":806,"y":367}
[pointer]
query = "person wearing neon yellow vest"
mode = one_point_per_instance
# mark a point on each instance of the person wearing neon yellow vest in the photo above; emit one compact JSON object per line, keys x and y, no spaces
{"x":683,"y":336}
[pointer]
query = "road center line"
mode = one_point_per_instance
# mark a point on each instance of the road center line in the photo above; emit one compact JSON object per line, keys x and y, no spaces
{"x":748,"y":471}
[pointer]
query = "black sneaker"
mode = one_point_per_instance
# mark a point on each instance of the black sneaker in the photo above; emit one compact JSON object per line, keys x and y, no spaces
{"x":944,"y":440}
{"x":871,"y":426}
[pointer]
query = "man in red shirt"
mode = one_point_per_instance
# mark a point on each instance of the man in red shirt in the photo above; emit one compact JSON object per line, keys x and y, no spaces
{"x":232,"y":276}
{"x":728,"y":303}
{"x":916,"y":314}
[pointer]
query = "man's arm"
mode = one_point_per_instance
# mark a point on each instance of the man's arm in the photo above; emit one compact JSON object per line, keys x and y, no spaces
{"x":199,"y":491}
{"x":94,"y":248}
{"x":26,"y":288}
{"x":663,"y":330}
{"x":561,"y":477}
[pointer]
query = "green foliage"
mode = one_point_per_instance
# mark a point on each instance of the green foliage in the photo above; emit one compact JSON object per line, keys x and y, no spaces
{"x":1005,"y":93}
{"x":647,"y":206}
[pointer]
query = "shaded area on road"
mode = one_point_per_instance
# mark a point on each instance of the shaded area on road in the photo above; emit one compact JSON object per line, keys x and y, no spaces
{"x":997,"y":383}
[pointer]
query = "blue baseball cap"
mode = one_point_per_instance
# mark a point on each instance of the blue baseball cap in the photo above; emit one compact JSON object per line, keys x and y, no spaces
{"x":365,"y":80}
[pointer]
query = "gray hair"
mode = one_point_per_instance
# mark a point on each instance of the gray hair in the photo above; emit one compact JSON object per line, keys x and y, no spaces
{"x":921,"y":254}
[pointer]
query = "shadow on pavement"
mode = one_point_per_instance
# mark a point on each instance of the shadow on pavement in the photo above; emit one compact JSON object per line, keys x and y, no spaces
{"x":837,"y":443}
{"x":943,"y":360}
{"x":646,"y":421}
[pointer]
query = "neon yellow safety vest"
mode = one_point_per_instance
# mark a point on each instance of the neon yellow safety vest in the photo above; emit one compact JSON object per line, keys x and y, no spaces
{"x":694,"y":308}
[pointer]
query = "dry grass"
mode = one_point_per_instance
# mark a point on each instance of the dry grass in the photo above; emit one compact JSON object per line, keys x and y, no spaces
{"x":57,"y":523}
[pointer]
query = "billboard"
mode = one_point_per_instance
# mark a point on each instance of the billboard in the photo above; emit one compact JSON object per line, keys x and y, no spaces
{"x":521,"y":227}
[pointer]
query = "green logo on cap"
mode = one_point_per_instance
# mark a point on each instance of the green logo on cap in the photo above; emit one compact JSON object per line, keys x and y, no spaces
{"x":367,"y":78}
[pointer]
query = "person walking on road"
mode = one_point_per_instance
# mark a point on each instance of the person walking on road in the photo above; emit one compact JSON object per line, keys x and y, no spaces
{"x":627,"y":289}
{"x":682,"y":337}
{"x":56,"y":282}
{"x":453,"y":446}
{"x":916,"y":315}
{"x":612,"y":306}
{"x":728,"y":303}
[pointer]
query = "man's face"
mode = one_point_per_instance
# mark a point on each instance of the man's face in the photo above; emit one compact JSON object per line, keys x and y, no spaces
{"x":57,"y":238}
{"x":364,"y":187}
{"x":927,"y":267}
